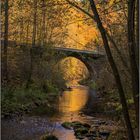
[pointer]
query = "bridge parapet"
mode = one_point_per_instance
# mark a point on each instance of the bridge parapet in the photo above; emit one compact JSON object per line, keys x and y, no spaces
{"x":38,"y":49}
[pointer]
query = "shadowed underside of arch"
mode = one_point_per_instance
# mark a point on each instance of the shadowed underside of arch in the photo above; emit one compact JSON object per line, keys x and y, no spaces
{"x":87,"y":65}
{"x":88,"y":60}
{"x":85,"y":61}
{"x":91,"y":59}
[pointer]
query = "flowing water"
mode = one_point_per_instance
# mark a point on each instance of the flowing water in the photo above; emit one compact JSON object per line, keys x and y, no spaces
{"x":69,"y":108}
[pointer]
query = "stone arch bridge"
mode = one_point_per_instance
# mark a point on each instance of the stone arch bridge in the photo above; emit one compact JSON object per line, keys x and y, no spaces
{"x":93,"y":60}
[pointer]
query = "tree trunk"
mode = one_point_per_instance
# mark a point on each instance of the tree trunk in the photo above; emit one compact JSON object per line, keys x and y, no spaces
{"x":34,"y":24}
{"x":5,"y":71}
{"x":27,"y":35}
{"x":137,"y":33}
{"x":137,"y":51}
{"x":131,"y":45}
{"x":44,"y":21}
{"x":21,"y":31}
{"x":115,"y":71}
{"x":119,"y":52}
{"x":33,"y":44}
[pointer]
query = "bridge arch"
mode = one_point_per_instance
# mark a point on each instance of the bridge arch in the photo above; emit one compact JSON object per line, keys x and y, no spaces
{"x":92,"y":60}
{"x":82,"y":59}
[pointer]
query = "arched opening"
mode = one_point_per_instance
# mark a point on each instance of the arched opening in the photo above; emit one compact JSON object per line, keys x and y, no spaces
{"x":74,"y":70}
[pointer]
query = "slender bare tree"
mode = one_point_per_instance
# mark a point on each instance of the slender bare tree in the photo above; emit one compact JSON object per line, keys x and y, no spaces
{"x":132,"y":54}
{"x":5,"y":71}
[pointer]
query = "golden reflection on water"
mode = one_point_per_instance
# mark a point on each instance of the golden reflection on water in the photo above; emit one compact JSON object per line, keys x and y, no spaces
{"x":70,"y":104}
{"x":72,"y":101}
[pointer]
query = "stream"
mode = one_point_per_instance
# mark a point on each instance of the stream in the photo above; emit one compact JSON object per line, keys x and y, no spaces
{"x":71,"y":106}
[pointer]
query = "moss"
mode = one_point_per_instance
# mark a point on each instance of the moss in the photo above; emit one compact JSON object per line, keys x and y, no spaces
{"x":67,"y":125}
{"x":49,"y":137}
{"x":20,"y":100}
{"x":81,"y":130}
{"x":93,"y":85}
{"x":75,"y":124}
{"x":48,"y":86}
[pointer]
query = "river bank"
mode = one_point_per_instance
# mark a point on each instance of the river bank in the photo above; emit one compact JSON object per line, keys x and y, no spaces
{"x":77,"y":105}
{"x":19,"y":102}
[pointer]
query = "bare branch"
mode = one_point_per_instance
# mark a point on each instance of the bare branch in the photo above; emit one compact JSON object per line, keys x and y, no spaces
{"x":81,"y":9}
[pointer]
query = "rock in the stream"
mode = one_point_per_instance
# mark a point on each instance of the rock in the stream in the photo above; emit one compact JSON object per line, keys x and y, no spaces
{"x":76,"y":124}
{"x":81,"y":131}
{"x":86,"y":131}
{"x":70,"y":125}
{"x":104,"y":134}
{"x":80,"y":137}
{"x":99,"y":122}
{"x":49,"y":137}
{"x":67,"y":125}
{"x":86,"y":125}
{"x":90,"y":135}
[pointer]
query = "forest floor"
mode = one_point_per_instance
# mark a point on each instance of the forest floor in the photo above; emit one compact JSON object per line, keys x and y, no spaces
{"x":22,"y":101}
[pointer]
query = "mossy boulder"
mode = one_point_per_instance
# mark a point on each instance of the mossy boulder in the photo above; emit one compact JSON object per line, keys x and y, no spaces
{"x":67,"y":125}
{"x":86,"y":125}
{"x":74,"y":125}
{"x":81,"y":131}
{"x":49,"y":137}
{"x":104,"y":133}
